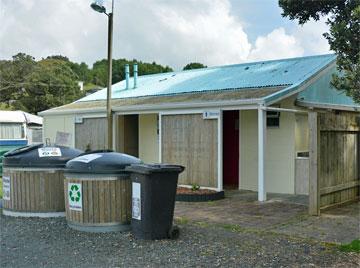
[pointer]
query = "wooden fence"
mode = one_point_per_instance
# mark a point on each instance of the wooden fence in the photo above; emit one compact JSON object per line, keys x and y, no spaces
{"x":334,"y":159}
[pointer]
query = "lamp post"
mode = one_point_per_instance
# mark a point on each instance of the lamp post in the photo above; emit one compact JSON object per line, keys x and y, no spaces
{"x":99,"y":7}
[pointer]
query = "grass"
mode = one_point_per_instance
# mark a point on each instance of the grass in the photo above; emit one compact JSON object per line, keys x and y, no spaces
{"x":354,"y":246}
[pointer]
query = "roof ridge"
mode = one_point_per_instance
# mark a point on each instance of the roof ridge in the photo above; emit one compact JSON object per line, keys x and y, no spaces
{"x":235,"y":65}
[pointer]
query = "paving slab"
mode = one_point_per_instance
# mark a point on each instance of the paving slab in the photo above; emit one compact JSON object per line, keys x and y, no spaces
{"x":282,"y":213}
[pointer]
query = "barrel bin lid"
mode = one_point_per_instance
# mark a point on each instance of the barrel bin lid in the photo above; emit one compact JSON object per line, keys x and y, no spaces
{"x":101,"y":162}
{"x":40,"y":156}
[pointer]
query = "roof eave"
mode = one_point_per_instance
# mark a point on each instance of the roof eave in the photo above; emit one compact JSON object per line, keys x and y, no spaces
{"x":342,"y":107}
{"x":158,"y":107}
{"x":298,"y":87}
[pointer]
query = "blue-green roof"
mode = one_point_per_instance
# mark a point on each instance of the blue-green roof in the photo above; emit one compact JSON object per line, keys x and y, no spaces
{"x":323,"y":93}
{"x":254,"y":75}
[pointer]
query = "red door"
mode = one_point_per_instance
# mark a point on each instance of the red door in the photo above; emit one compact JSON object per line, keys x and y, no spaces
{"x":231,"y":149}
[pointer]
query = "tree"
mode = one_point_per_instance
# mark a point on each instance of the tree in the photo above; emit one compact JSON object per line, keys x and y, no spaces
{"x":51,"y":84}
{"x":99,"y":70}
{"x":343,"y":37}
{"x":194,"y":65}
{"x":13,"y":76}
{"x":35,"y":86}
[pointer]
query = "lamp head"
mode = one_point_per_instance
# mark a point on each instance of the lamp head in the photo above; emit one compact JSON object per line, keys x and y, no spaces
{"x":98,"y":6}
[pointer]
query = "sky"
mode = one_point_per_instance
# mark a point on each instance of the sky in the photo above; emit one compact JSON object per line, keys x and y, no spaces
{"x":169,"y":32}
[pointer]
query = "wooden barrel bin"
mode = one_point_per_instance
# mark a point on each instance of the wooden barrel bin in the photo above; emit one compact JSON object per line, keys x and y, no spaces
{"x":97,"y":192}
{"x":34,"y":187}
{"x":33,"y":192}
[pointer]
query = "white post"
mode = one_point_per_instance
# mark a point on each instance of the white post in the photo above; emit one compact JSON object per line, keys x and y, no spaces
{"x":220,"y":151}
{"x":261,"y":153}
{"x":115,"y":129}
{"x":160,"y":138}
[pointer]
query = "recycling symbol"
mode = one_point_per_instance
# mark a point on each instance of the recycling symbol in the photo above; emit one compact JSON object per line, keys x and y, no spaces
{"x":74,"y":193}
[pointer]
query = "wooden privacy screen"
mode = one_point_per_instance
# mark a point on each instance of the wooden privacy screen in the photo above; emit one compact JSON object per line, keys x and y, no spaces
{"x":338,"y":160}
{"x":191,"y":141}
{"x":91,"y":134}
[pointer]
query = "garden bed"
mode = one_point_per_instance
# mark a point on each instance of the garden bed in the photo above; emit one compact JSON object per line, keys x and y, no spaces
{"x":201,"y":195}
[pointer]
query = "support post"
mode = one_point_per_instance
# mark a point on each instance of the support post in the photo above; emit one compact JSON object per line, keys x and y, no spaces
{"x":109,"y":82}
{"x":314,"y":193}
{"x":160,"y":137}
{"x":261,"y":153}
{"x":220,"y":151}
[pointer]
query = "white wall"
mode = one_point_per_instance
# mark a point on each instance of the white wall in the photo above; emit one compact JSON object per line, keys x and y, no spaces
{"x":55,"y":123}
{"x":301,"y":133}
{"x":280,"y":152}
{"x":148,"y":138}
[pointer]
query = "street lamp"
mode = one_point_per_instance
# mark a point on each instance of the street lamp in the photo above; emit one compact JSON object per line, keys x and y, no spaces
{"x":99,"y":7}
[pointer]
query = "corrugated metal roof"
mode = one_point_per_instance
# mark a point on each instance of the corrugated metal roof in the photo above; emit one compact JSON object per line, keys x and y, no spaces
{"x":322,"y":92}
{"x":19,"y":117}
{"x":284,"y":72}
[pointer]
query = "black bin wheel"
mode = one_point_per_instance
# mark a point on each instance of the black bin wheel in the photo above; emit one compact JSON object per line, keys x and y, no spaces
{"x":174,"y":232}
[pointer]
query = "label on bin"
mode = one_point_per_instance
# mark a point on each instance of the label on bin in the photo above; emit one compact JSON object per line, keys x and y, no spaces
{"x":6,"y":188}
{"x":49,"y":151}
{"x":75,"y":196}
{"x":136,"y":201}
{"x":87,"y":158}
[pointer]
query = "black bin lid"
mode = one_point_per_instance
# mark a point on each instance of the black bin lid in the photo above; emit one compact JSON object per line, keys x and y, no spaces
{"x":155,"y":168}
{"x":40,"y":156}
{"x":101,"y":162}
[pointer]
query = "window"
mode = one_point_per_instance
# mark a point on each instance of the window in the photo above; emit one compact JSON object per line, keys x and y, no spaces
{"x":273,"y":119}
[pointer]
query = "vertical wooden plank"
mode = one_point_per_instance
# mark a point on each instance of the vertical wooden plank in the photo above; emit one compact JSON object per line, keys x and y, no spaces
{"x":85,"y":200}
{"x":91,"y":202}
{"x":314,"y":195}
{"x":67,"y":214}
{"x":118,"y":201}
{"x":113,"y":200}
{"x":96,"y":201}
{"x":128,"y":199}
{"x":101,"y":201}
{"x":107,"y":201}
{"x":122,"y":200}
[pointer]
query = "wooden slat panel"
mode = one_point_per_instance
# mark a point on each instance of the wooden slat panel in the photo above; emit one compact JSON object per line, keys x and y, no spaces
{"x":91,"y":132}
{"x":339,"y":122}
{"x":191,"y":141}
{"x":104,"y":201}
{"x":339,"y":158}
{"x":35,"y":191}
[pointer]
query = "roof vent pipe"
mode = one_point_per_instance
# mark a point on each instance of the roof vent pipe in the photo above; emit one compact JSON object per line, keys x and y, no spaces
{"x":135,"y":74}
{"x":127,"y":75}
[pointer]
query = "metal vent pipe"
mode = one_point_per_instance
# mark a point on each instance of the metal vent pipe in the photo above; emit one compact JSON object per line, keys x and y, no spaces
{"x":135,"y":74}
{"x":127,"y":75}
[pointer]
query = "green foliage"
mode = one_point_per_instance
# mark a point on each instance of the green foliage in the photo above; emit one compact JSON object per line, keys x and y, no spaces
{"x":343,"y":37}
{"x":35,"y":86}
{"x":99,"y":70}
{"x":354,"y":246}
{"x":195,"y":187}
{"x":194,"y":65}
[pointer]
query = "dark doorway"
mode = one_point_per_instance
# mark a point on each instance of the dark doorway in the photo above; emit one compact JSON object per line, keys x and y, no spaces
{"x":128,"y":134}
{"x":231,"y":149}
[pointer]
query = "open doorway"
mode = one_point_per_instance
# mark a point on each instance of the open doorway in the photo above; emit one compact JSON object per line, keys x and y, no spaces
{"x":231,"y":149}
{"x":128,"y":134}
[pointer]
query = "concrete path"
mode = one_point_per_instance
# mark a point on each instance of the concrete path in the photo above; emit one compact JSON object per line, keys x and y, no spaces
{"x":285,"y":214}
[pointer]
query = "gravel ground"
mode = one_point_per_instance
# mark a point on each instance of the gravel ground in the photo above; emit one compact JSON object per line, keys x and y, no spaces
{"x":35,"y":242}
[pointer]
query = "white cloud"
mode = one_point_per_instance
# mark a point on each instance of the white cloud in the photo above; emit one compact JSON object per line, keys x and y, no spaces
{"x":310,"y":37}
{"x":168,"y":32}
{"x":300,"y":41}
{"x":276,"y":44}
